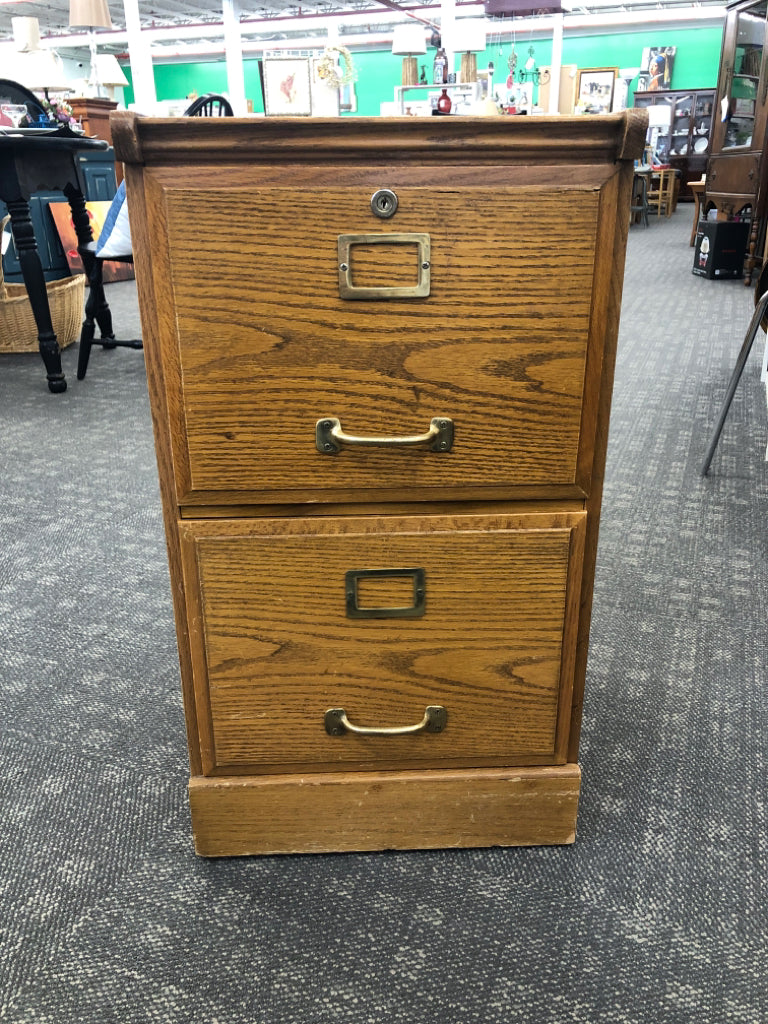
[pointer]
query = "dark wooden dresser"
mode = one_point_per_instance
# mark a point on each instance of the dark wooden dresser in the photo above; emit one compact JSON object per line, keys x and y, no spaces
{"x":380,"y":356}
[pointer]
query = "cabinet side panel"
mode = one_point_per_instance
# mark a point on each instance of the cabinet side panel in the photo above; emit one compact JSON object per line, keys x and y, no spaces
{"x":613,"y":227}
{"x":142,"y":206}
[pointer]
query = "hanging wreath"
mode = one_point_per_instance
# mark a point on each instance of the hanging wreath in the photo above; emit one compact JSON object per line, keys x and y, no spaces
{"x":335,"y":67}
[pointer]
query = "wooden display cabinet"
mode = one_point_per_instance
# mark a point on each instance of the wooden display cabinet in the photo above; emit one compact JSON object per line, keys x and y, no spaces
{"x":380,"y":357}
{"x":736,"y":172}
{"x":93,"y":113}
{"x":686,"y":145}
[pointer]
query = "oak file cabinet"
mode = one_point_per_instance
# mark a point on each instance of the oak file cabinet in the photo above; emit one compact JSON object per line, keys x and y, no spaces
{"x":380,"y":357}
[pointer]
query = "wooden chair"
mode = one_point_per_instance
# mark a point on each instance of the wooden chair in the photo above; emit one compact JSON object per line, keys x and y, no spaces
{"x":210,"y":105}
{"x":661,"y":194}
{"x":13,"y":92}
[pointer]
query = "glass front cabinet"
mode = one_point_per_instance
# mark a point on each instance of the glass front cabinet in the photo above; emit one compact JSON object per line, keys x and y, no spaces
{"x":680,"y":130}
{"x":736,"y":171}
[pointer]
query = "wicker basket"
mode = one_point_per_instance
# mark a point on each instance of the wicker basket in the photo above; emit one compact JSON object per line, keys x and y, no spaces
{"x":18,"y":330}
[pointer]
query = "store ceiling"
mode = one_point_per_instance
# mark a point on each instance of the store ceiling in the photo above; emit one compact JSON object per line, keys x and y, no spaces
{"x":53,"y":15}
{"x":291,"y":17}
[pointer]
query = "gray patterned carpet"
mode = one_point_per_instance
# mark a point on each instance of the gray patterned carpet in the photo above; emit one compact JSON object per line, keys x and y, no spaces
{"x":656,"y":914}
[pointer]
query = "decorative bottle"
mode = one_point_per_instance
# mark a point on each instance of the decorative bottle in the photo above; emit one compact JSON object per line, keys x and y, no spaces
{"x":444,"y":102}
{"x":440,"y":70}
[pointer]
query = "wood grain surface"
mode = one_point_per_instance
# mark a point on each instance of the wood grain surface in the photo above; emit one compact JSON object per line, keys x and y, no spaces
{"x":499,"y":346}
{"x":384,"y":811}
{"x":424,"y":141}
{"x":249,"y":342}
{"x":274,"y":647}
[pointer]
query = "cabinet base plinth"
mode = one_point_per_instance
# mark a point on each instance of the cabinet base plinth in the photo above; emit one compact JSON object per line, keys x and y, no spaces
{"x":365,"y":811}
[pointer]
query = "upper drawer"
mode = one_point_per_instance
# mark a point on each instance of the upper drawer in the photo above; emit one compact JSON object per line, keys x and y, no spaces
{"x":383,"y":617}
{"x":260,"y":342}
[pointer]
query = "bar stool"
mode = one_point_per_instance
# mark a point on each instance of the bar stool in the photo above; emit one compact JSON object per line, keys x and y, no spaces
{"x":759,"y":319}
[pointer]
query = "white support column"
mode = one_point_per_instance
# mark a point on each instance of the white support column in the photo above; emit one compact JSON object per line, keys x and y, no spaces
{"x":448,"y":33}
{"x":233,"y":50}
{"x":142,"y":74}
{"x":557,"y":60}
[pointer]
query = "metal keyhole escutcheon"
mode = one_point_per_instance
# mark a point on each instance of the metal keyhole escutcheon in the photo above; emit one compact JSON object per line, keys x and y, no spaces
{"x":384,"y":203}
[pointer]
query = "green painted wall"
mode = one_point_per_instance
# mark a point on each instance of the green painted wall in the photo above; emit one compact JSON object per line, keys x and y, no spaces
{"x":378,"y":72}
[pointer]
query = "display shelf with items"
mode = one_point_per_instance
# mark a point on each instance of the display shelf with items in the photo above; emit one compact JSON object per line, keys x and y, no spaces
{"x":736,"y":171}
{"x":684,"y":145}
{"x":463,"y":96}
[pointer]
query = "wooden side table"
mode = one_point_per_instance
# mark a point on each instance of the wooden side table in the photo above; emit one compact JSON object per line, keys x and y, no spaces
{"x":32,"y":160}
{"x":697,"y":187}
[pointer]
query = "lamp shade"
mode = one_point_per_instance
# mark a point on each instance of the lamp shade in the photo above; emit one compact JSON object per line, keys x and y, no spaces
{"x":89,"y":14}
{"x":40,"y":71}
{"x":26,"y":34}
{"x":471,"y":34}
{"x":109,"y":71}
{"x":409,"y":40}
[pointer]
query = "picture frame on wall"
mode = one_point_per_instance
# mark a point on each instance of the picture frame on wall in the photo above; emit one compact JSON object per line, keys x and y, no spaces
{"x":594,"y":90}
{"x":324,"y":96}
{"x":656,"y":68}
{"x":287,"y":87}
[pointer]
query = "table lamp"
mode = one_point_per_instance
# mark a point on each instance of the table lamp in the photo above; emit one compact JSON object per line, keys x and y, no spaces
{"x":111,"y":74}
{"x":471,"y":35}
{"x":408,"y":42}
{"x":90,"y":14}
{"x":34,"y":68}
{"x":26,"y":34}
{"x":42,"y":71}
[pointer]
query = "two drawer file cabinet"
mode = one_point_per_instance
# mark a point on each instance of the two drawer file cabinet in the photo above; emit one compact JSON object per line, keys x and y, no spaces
{"x":380,"y":358}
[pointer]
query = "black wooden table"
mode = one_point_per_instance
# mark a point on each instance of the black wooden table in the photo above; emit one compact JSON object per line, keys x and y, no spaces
{"x":31,"y":160}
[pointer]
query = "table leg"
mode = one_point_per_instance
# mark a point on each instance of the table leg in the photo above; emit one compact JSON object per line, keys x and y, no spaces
{"x":696,"y":214}
{"x":96,"y":306}
{"x":34,"y":281}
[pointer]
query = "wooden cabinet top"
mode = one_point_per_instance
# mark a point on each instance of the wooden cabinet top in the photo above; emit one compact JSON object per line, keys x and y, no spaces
{"x":510,"y":140}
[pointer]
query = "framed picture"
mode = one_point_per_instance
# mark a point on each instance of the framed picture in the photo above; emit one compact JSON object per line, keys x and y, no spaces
{"x":97,"y":214}
{"x":287,"y":91}
{"x":594,"y":90}
{"x":656,"y":71}
{"x":324,"y":96}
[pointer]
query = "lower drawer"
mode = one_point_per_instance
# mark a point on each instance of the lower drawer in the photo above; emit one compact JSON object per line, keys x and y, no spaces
{"x":376,"y":619}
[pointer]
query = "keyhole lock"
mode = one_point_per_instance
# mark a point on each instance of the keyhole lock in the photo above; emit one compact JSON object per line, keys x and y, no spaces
{"x":384,"y":203}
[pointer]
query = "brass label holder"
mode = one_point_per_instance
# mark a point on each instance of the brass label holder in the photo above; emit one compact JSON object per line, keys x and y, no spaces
{"x":413,"y":611}
{"x":418,"y":291}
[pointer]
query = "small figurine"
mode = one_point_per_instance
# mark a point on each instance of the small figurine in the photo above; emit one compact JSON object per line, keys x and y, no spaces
{"x":423,"y":75}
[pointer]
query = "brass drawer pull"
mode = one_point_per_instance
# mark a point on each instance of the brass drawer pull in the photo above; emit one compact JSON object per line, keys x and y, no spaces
{"x":329,"y":437}
{"x":337,"y":723}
